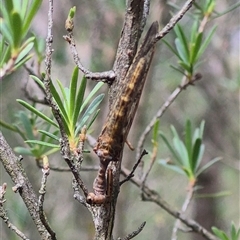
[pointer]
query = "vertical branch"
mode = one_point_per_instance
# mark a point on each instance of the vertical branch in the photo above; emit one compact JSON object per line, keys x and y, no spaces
{"x":183,"y":210}
{"x":22,"y":184}
{"x":47,"y":79}
{"x":64,"y":143}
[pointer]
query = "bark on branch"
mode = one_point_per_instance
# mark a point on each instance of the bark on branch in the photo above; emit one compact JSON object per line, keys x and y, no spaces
{"x":23,"y":186}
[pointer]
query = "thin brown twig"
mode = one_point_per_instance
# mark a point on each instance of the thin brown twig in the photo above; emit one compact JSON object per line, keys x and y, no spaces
{"x":174,"y":20}
{"x":83,"y":169}
{"x":185,"y":205}
{"x":152,"y":196}
{"x":64,"y":143}
{"x":13,"y":167}
{"x":3,"y":214}
{"x":42,"y":192}
{"x":134,"y":233}
{"x":31,"y":72}
{"x":185,"y":83}
{"x":106,"y":76}
{"x":131,"y":174}
{"x":153,"y":159}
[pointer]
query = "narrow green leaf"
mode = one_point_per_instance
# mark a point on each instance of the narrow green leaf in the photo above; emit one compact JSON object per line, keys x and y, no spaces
{"x":27,"y":125}
{"x":198,"y":7}
{"x":54,"y":137}
{"x":5,"y":52}
{"x":20,"y":132}
{"x":182,"y":152}
{"x":186,"y":67}
{"x":59,"y":102}
{"x":208,"y":165}
{"x":6,"y":32}
{"x":188,"y":138}
{"x":90,"y":110}
{"x":43,"y":136}
{"x":194,"y":56}
{"x":171,"y":48}
{"x":46,"y":144}
{"x":95,"y":90}
{"x":51,"y":151}
{"x":16,"y":27}
{"x":38,"y":81}
{"x":8,"y":126}
{"x":66,"y":126}
{"x":231,"y":8}
{"x":173,"y":167}
{"x":23,"y":8}
{"x":65,"y":97}
{"x":206,"y":42}
{"x":181,"y":51}
{"x":79,"y":100}
{"x":219,"y":233}
{"x":177,"y":69}
{"x":37,"y":112}
{"x":182,"y":41}
{"x":23,"y":151}
{"x":22,"y":61}
{"x":200,"y":156}
{"x":8,"y":5}
{"x":155,"y":131}
{"x":195,"y":154}
{"x":174,"y":153}
{"x":34,"y":6}
{"x":17,"y":6}
{"x":234,"y":232}
{"x":93,"y":119}
{"x":24,"y":52}
{"x":39,"y":46}
{"x":213,"y":195}
{"x":201,"y":129}
{"x":73,"y":90}
{"x":194,"y":31}
{"x":27,"y":42}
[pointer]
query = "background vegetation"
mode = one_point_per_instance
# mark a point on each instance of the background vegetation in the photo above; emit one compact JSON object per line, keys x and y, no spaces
{"x":214,"y":99}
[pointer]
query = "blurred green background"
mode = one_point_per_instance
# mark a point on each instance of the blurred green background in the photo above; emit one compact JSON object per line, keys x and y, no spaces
{"x":215,"y":99}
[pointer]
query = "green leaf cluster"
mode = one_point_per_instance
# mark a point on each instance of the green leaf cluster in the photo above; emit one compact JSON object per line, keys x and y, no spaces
{"x":27,"y":125}
{"x":41,"y":132}
{"x":205,"y":8}
{"x":189,"y":49}
{"x":14,"y":47}
{"x":71,"y":105}
{"x":187,"y":153}
{"x":234,"y":235}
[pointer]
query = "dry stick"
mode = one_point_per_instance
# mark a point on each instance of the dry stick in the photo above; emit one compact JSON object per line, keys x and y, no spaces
{"x":183,"y":209}
{"x":64,"y":143}
{"x":83,"y":169}
{"x":107,"y":76}
{"x":135,"y":233}
{"x":163,"y":108}
{"x":175,"y":19}
{"x":23,"y":186}
{"x":131,"y":174}
{"x":153,"y":196}
{"x":153,"y":159}
{"x":3,"y":213}
{"x":42,"y":192}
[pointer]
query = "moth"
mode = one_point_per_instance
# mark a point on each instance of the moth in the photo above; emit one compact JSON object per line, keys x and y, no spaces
{"x":120,"y":117}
